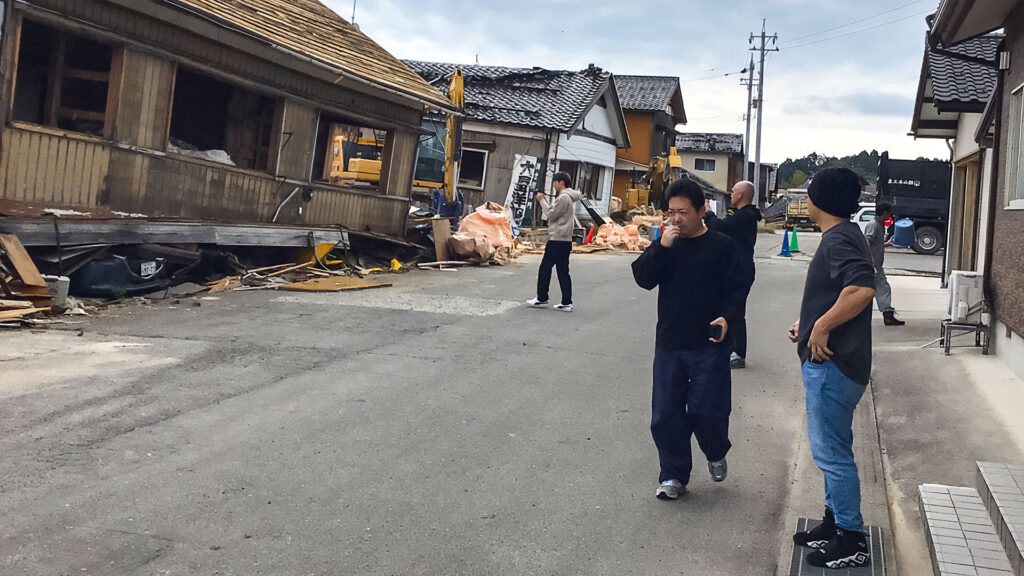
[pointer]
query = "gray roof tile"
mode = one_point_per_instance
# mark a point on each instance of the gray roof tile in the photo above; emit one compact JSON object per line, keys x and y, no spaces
{"x":646,"y":92}
{"x":958,"y":82}
{"x":703,"y":142}
{"x":533,"y":97}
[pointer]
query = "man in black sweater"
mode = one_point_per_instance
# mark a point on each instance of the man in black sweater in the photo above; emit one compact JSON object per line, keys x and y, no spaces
{"x":700,"y":285}
{"x":741,"y":226}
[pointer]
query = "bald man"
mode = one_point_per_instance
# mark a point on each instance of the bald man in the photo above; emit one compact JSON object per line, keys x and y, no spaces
{"x":741,"y":226}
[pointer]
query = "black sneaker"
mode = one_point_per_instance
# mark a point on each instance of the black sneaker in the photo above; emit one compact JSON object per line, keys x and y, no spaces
{"x":844,"y":550}
{"x":819,"y":535}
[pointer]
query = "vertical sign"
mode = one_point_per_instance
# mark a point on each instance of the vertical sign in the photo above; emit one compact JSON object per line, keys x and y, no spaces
{"x":522,"y":189}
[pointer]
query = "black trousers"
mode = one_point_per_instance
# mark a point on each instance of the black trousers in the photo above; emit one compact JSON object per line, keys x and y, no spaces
{"x":692,"y":397}
{"x":556,"y":255}
{"x":738,"y":329}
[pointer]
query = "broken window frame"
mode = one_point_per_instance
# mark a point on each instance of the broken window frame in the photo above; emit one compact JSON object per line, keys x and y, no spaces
{"x":267,"y":156}
{"x":50,"y":108}
{"x":325,"y":120}
{"x":483,"y":172}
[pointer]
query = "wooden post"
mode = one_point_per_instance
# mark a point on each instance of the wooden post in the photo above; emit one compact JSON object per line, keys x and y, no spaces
{"x":442,"y":232}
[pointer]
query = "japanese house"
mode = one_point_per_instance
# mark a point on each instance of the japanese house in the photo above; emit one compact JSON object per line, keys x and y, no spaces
{"x":206,"y":110}
{"x":653,"y":107}
{"x":523,"y":124}
{"x":1000,"y":138}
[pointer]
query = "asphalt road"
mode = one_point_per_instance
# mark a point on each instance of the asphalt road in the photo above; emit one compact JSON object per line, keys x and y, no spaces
{"x":435,"y":427}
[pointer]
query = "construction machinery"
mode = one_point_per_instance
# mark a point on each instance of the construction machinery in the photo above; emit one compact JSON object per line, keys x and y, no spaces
{"x":363,"y":154}
{"x":662,"y":171}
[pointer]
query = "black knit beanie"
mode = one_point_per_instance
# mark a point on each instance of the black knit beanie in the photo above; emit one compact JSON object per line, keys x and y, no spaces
{"x":836,"y":191}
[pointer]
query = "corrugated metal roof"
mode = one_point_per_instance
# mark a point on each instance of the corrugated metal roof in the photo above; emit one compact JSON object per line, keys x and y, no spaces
{"x":310,"y":29}
{"x":703,"y":142}
{"x":533,"y":97}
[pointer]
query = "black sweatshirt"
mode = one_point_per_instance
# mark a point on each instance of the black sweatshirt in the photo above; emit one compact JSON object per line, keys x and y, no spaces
{"x":699,"y":280}
{"x":742,"y":228}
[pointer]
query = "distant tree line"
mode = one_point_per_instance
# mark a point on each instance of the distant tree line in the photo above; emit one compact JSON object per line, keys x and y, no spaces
{"x":793,"y":173}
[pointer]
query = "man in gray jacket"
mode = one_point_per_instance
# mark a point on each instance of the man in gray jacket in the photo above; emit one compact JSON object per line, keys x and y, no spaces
{"x":561,"y":216}
{"x":875,"y":234}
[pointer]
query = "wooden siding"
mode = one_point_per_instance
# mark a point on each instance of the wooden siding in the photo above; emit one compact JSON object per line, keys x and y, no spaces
{"x":147,"y":93}
{"x":297,"y":141}
{"x":74,"y":174}
{"x":87,"y":174}
{"x":501,"y":159}
{"x":197,"y":51}
{"x":640,"y":126}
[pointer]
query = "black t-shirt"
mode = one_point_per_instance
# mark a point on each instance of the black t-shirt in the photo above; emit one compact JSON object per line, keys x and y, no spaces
{"x":698,"y":280}
{"x":842,"y":260}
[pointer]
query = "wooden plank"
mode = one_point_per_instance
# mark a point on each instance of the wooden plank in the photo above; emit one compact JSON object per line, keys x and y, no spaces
{"x":12,"y":64}
{"x":22,"y":262}
{"x":20,"y":304}
{"x":13,"y":314}
{"x":334,"y":284}
{"x":114,"y":90}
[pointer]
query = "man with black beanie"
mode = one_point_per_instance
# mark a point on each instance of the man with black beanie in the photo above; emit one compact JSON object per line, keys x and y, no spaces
{"x":834,"y":343}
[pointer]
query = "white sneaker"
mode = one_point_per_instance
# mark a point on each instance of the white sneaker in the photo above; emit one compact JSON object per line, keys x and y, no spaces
{"x":670,"y":490}
{"x":535,"y":303}
{"x":563,"y":307}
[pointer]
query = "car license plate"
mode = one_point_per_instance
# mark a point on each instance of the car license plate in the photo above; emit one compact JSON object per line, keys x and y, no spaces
{"x":148,"y":268}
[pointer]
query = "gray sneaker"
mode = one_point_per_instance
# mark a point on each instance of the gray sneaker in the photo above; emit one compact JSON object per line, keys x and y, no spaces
{"x":670,"y":490}
{"x":719,"y":470}
{"x":736,"y":361}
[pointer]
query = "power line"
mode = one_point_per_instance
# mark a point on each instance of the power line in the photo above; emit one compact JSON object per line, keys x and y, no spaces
{"x":791,"y":47}
{"x":858,"y":21}
{"x":715,"y":77}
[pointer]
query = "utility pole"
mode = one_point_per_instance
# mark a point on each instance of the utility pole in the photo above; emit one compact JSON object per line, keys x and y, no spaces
{"x":749,"y":82}
{"x":763,"y":49}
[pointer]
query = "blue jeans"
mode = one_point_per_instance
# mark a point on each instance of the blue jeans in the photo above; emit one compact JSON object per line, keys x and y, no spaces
{"x":831,"y":401}
{"x":692,"y":397}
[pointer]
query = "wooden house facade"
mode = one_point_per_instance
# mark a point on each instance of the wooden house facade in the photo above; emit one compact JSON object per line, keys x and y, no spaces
{"x":203,"y":110}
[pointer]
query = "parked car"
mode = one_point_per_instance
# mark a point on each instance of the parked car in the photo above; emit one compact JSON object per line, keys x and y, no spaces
{"x":864,"y":215}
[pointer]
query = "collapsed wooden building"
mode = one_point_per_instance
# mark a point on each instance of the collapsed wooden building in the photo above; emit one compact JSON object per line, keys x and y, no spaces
{"x":206,"y":111}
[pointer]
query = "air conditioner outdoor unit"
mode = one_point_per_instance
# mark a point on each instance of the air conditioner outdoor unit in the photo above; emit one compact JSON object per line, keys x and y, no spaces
{"x":966,"y":297}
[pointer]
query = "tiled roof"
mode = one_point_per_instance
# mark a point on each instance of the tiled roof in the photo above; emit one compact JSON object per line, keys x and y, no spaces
{"x":956,"y":81}
{"x":701,"y":142}
{"x":646,"y":92}
{"x":312,"y":30}
{"x":534,"y":97}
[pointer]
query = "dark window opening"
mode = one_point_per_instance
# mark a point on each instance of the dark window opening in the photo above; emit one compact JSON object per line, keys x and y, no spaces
{"x":63,"y":80}
{"x":216,"y":121}
{"x":347,"y":154}
{"x":585,"y":178}
{"x":430,"y":158}
{"x":704,"y":164}
{"x":473,"y":168}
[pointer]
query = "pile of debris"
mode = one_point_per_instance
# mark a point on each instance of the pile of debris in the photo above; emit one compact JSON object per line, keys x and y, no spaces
{"x":23,"y":291}
{"x":486,"y":236}
{"x":621,"y":237}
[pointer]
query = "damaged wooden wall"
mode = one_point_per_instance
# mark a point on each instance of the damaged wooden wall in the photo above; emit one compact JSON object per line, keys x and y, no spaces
{"x":131,"y":170}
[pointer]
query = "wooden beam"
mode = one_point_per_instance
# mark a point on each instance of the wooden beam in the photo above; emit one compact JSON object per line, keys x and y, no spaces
{"x":39,"y":232}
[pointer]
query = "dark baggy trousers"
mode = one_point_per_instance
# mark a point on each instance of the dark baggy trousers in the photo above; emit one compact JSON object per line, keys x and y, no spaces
{"x":692,"y":397}
{"x":556,"y":254}
{"x":738,"y":328}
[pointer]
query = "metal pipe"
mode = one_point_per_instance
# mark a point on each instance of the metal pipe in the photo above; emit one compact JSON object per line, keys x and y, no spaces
{"x":283,"y":202}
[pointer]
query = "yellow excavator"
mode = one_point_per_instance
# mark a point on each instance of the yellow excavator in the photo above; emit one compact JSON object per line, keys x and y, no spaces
{"x":366,"y":166}
{"x":662,"y":171}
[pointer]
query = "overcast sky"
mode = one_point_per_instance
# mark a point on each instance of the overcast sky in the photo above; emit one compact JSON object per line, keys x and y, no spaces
{"x":844,"y":80}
